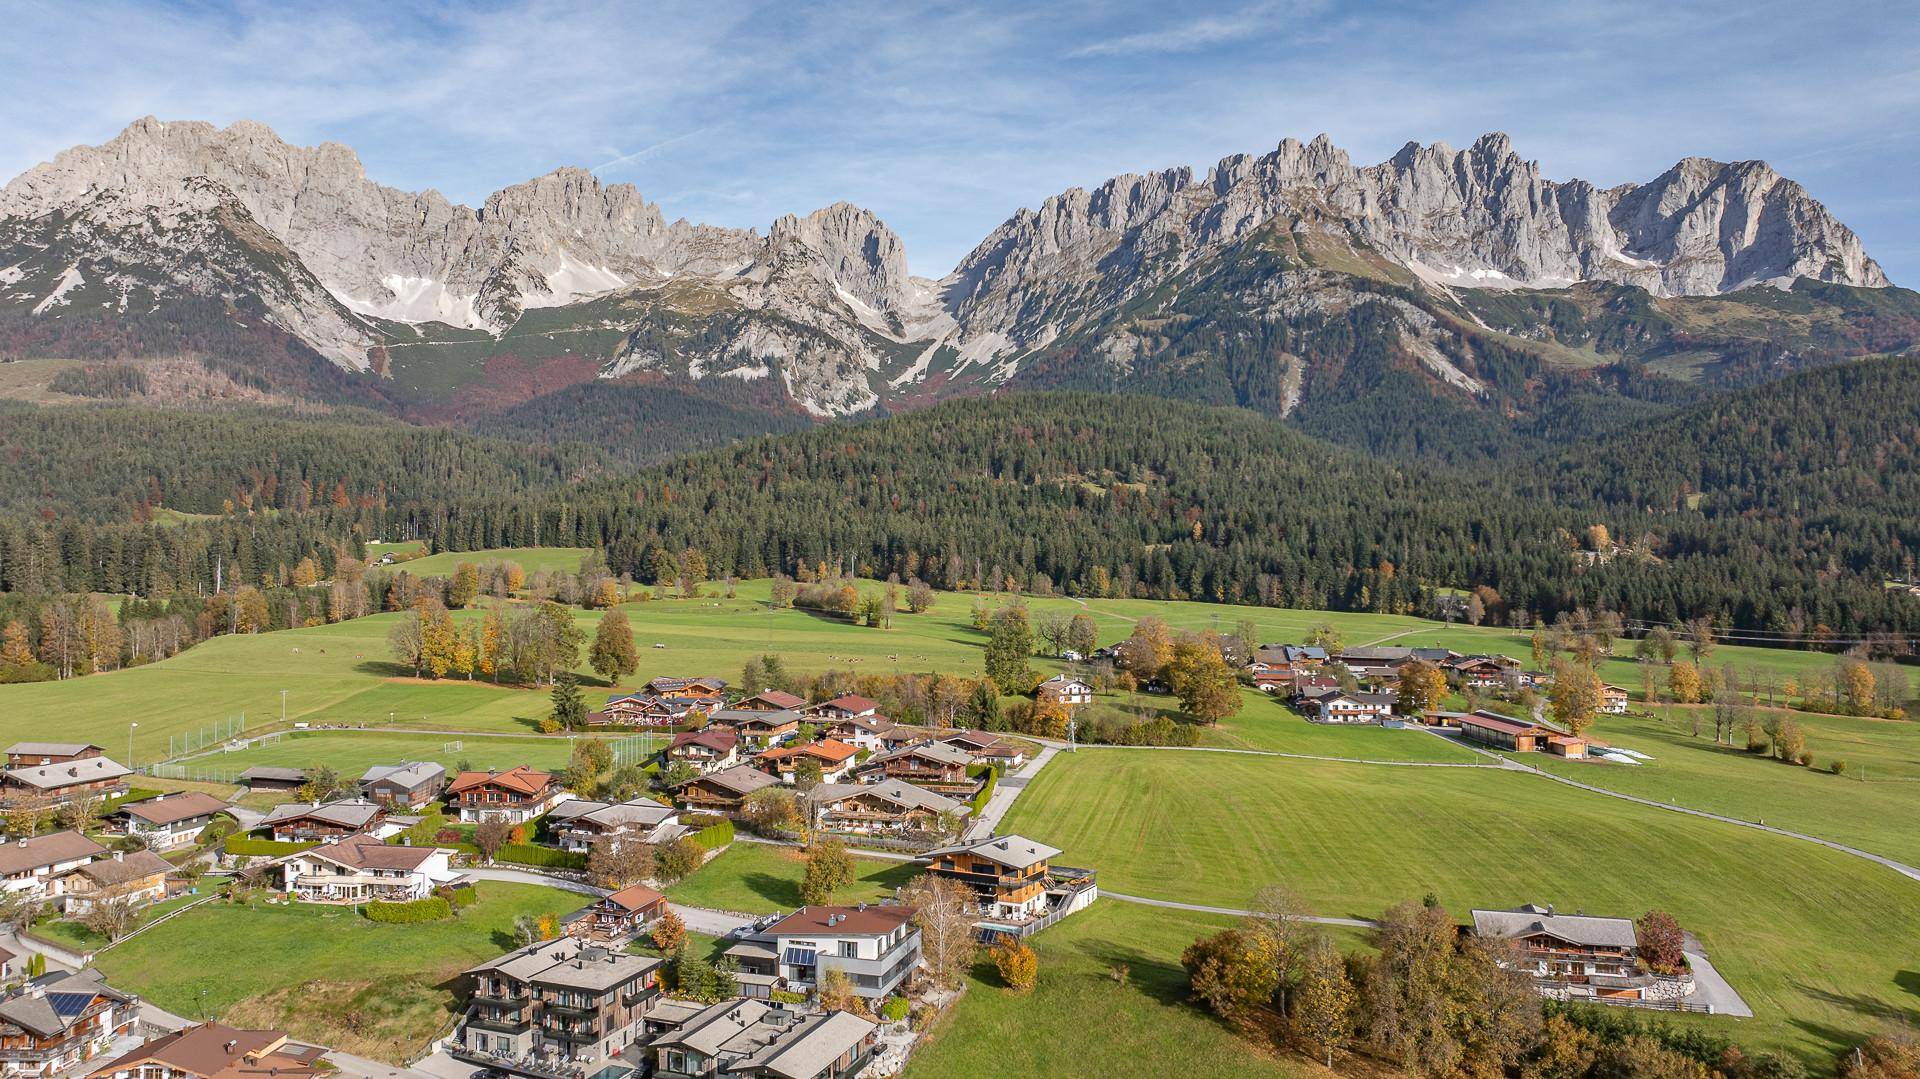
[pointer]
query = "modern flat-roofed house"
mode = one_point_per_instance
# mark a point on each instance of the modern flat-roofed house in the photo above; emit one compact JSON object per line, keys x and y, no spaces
{"x":1007,"y":874}
{"x":407,"y":786}
{"x":215,"y":1051}
{"x":26,"y":754}
{"x":618,"y":917}
{"x":1613,"y":700}
{"x":889,"y":807}
{"x":61,"y":782}
{"x":770,"y":700}
{"x":516,"y":795}
{"x":709,"y":749}
{"x":1504,"y":732}
{"x":167,"y":821}
{"x":875,"y":946}
{"x":138,"y":878}
{"x":753,"y":1039}
{"x":845,"y":707}
{"x":724,"y":791}
{"x":1338,"y":707}
{"x":36,"y":866}
{"x":264,"y":778}
{"x":834,"y":757}
{"x":360,"y":869}
{"x":577,"y":824}
{"x":58,"y":1020}
{"x":318,"y":822}
{"x":1061,"y":689}
{"x":936,"y":766}
{"x":758,"y":728}
{"x":561,"y":1001}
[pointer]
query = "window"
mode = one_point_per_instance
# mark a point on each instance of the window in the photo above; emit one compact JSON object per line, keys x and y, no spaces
{"x":849,"y":949}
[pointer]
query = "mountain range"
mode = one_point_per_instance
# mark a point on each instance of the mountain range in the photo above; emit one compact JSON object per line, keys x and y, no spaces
{"x":1294,"y":283}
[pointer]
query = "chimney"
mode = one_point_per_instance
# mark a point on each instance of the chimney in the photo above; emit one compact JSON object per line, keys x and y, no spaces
{"x":119,"y":855}
{"x":229,"y":1047}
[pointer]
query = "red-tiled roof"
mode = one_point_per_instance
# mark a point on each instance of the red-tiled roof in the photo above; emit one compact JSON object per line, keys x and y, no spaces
{"x":520,"y":778}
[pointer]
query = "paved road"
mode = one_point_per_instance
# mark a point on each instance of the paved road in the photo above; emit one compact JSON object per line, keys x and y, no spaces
{"x":356,"y":1067}
{"x":1004,"y":794}
{"x":1712,"y":991}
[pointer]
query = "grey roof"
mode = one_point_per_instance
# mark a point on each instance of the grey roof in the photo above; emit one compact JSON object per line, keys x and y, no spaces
{"x":596,"y":970}
{"x":108,"y":872}
{"x":1014,"y":851}
{"x":638,"y":813}
{"x":1573,"y":928}
{"x":755,"y":717}
{"x":573,"y":807}
{"x":524,"y":962}
{"x":804,"y":1049}
{"x":69,"y":773}
{"x":347,"y":813}
{"x":41,"y":1007}
{"x":709,"y":1032}
{"x":50,"y":749}
{"x":900,"y":793}
{"x":409,"y":775}
{"x":938,"y":751}
{"x":262,"y":771}
{"x":740,"y":779}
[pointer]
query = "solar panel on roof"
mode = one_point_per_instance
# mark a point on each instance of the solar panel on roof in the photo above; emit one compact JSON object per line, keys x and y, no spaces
{"x":69,"y":1005}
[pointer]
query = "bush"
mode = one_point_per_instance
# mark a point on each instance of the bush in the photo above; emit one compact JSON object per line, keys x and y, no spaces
{"x":786,"y":996}
{"x":431,"y":909}
{"x":240,"y":846}
{"x":714,"y":836}
{"x":1806,"y":758}
{"x":895,"y":1009}
{"x":678,"y":859}
{"x":1838,"y":768}
{"x":542,"y":857}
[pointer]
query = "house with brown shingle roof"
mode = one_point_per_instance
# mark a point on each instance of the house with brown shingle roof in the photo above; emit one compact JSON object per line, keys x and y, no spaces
{"x":63,"y":781}
{"x":516,"y":795}
{"x":834,"y":757}
{"x":360,"y":869}
{"x":167,"y":821}
{"x":724,"y":791}
{"x":708,"y":749}
{"x":845,"y":707}
{"x":310,"y":822}
{"x":23,"y":754}
{"x":770,"y":700}
{"x":138,"y":878}
{"x":215,"y":1051}
{"x":617,"y":917}
{"x":36,"y":865}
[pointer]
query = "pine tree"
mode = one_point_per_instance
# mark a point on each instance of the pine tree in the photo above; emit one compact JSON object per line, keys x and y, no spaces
{"x":569,"y":709}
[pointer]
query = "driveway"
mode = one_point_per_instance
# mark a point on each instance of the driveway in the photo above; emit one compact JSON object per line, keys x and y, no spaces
{"x":355,"y":1067}
{"x":1712,"y":991}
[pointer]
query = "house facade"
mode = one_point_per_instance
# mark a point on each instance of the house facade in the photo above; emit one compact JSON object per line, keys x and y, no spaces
{"x":321,"y":822}
{"x":846,"y":707}
{"x":877,"y":947}
{"x":1574,"y":956}
{"x":63,"y":781}
{"x":618,"y":917}
{"x":723,"y":792}
{"x":1613,"y":700}
{"x":771,"y":700}
{"x":168,"y":821}
{"x":834,"y":757}
{"x":577,"y":824}
{"x":753,"y":1039}
{"x":1007,"y":875}
{"x":59,"y":1021}
{"x":31,"y":754}
{"x":215,"y":1051}
{"x":361,"y":869}
{"x":405,"y":787}
{"x":708,"y":749}
{"x":889,"y":807}
{"x":516,"y":795}
{"x":985,"y":747}
{"x":1063,"y":690}
{"x":933,"y":765}
{"x":759,"y":728}
{"x":1338,"y":707}
{"x":562,"y":1003}
{"x":39,"y":866}
{"x":138,"y":878}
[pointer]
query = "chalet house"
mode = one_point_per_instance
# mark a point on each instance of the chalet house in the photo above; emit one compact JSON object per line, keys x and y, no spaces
{"x":1312,"y":685}
{"x":876,"y":946}
{"x":215,"y":1051}
{"x":753,"y":1039}
{"x":360,"y":869}
{"x":890,"y":807}
{"x":640,"y":710}
{"x":933,"y":765}
{"x":167,"y":821}
{"x":984,"y":747}
{"x":411,"y":785}
{"x":711,"y":690}
{"x":568,"y":1003}
{"x":874,"y":733}
{"x":38,"y":865}
{"x":834,"y":757}
{"x":1482,"y":672}
{"x":63,"y":781}
{"x":516,"y":795}
{"x":263,"y":778}
{"x":1338,"y":707}
{"x":1576,"y":955}
{"x":708,"y":749}
{"x":845,"y":708}
{"x":577,"y":824}
{"x":619,"y":917}
{"x":29,"y":754}
{"x":771,"y":700}
{"x":139,"y":878}
{"x":1391,"y":655}
{"x":1008,"y":875}
{"x":1060,"y":689}
{"x":58,"y":1021}
{"x":758,"y":728}
{"x":1613,"y":700}
{"x":1289,"y":656}
{"x":1273,"y":679}
{"x":724,"y":791}
{"x":319,"y":822}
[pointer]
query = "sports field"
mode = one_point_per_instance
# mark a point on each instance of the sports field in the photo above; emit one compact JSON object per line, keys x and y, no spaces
{"x":1782,"y":919}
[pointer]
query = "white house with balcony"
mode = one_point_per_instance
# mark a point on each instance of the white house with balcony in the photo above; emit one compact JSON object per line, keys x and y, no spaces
{"x":361,"y":869}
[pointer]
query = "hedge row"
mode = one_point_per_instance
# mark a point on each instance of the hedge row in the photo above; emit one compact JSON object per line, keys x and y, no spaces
{"x":544,"y":857}
{"x":979,"y":801}
{"x":241,"y":846}
{"x":434,"y":908}
{"x":715,"y":836}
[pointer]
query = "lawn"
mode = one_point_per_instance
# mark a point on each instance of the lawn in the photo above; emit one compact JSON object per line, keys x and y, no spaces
{"x":1783,"y":919}
{"x":321,"y":973}
{"x":1264,"y":722}
{"x":1872,"y":806}
{"x":531,"y":559}
{"x":759,"y":878}
{"x":1147,"y":1018}
{"x":351,"y":753}
{"x":79,"y":938}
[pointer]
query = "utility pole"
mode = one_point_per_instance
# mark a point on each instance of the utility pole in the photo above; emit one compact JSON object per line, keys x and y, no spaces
{"x":130,"y":728}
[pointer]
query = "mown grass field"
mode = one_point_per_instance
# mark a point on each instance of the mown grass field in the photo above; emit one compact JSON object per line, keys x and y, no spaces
{"x":323,"y":974}
{"x":1872,"y":806}
{"x":531,"y":559}
{"x":1082,"y":1020}
{"x":758,"y":878}
{"x":351,"y":753}
{"x":1810,"y":937}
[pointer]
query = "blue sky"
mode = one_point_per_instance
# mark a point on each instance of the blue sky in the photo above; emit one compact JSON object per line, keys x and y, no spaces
{"x":944,"y":119}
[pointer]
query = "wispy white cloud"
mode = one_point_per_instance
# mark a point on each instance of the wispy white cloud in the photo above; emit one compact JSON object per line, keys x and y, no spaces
{"x":1198,"y":32}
